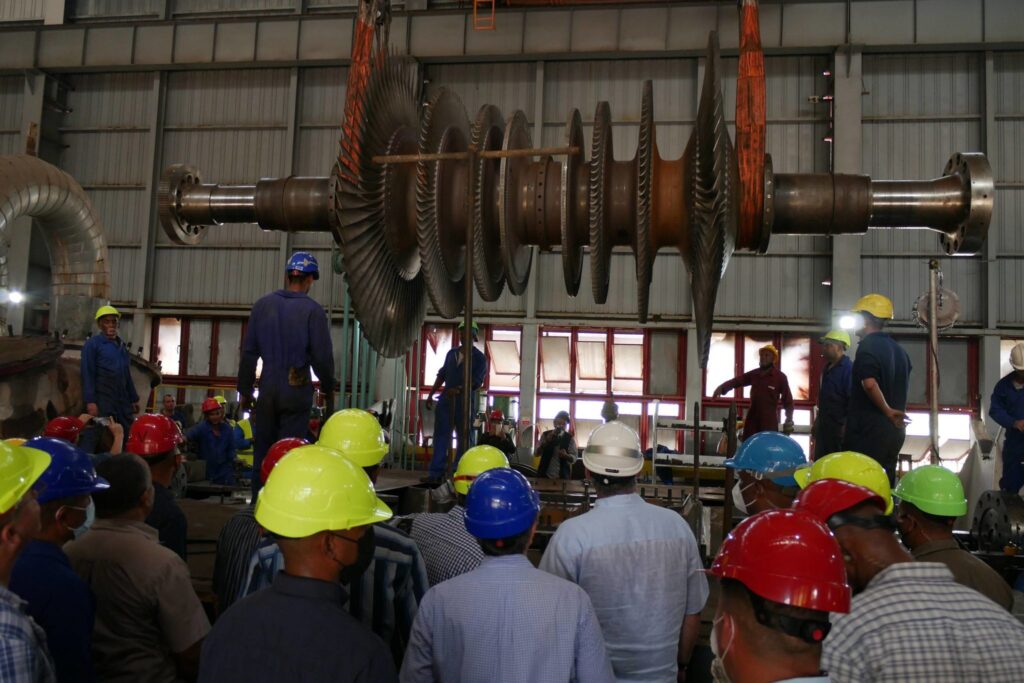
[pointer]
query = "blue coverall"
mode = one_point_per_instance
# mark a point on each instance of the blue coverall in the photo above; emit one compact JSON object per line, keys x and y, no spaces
{"x":449,"y":408}
{"x":107,"y":382}
{"x":217,"y":449}
{"x":289,"y":331}
{"x":1006,"y":407}
{"x":833,"y":403}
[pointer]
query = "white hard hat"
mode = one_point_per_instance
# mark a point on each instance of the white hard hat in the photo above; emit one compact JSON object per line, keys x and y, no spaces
{"x":1017,"y":357}
{"x":614,"y":450}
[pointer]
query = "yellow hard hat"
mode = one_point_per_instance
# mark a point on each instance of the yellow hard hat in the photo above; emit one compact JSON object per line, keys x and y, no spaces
{"x":14,"y":441}
{"x":475,"y":462}
{"x":355,"y":434}
{"x":855,"y":468}
{"x":875,"y":304}
{"x":770,"y":348}
{"x":837,"y":336}
{"x":314,"y":489}
{"x":20,"y":467}
{"x":107,"y":310}
{"x":220,"y":400}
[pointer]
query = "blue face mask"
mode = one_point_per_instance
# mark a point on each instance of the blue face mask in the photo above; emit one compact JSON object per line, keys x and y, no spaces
{"x":90,"y":517}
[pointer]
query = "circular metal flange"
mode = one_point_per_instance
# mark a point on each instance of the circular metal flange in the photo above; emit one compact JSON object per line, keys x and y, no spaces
{"x":572,"y":249}
{"x":976,"y":175}
{"x":172,"y":180}
{"x":488,"y":268}
{"x":601,"y":157}
{"x":388,"y":299}
{"x":947,"y":309}
{"x":444,"y":128}
{"x":516,"y":256}
{"x":998,"y":520}
{"x":642,"y":246}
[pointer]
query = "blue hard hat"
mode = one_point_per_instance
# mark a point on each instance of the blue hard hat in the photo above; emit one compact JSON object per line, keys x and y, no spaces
{"x":304,"y":262}
{"x":70,"y":472}
{"x":501,"y":504}
{"x":768,"y":452}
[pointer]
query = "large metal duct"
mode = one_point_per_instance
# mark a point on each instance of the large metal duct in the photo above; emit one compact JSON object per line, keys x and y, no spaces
{"x":73,"y":232}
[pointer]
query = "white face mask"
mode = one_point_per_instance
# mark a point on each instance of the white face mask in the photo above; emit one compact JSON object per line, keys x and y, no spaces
{"x":90,"y":517}
{"x":718,"y":665}
{"x":737,"y":499}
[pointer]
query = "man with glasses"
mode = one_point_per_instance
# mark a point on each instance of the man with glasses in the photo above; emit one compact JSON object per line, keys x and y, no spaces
{"x":909,"y":621}
{"x":23,"y":654}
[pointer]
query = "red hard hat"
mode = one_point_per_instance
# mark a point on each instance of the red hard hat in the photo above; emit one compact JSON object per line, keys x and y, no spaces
{"x":825,"y":497}
{"x":276,"y":452}
{"x":787,"y":557}
{"x":63,"y":427}
{"x":210,"y":404}
{"x":152,"y":435}
{"x":496,"y":414}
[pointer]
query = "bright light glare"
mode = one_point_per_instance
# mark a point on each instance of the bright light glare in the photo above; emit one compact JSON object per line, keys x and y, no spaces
{"x":15,"y":297}
{"x":848,"y":322}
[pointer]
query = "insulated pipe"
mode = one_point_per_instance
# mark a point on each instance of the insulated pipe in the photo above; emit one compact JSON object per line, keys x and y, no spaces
{"x":74,"y":235}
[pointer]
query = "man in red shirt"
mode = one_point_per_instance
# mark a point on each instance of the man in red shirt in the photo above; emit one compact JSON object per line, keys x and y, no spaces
{"x":769,"y":386}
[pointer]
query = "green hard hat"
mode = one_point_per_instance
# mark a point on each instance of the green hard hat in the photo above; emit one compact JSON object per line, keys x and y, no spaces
{"x":933,"y":489}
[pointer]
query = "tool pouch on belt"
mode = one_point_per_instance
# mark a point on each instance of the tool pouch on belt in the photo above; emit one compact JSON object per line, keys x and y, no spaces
{"x":299,"y":377}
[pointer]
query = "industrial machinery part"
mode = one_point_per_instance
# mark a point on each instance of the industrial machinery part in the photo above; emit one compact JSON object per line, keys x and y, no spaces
{"x":998,"y":521}
{"x":412,"y":181}
{"x":74,"y":235}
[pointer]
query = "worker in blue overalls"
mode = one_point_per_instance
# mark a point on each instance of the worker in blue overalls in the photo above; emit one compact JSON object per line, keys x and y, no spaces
{"x":214,"y":440}
{"x":107,"y":386}
{"x":449,"y":407}
{"x":1007,"y":409}
{"x":290,"y":332}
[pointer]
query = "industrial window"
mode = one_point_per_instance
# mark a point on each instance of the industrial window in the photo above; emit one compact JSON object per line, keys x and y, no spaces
{"x":796,"y":363}
{"x":168,"y":351}
{"x":721,"y":361}
{"x":555,"y":364}
{"x":609,"y":363}
{"x":592,"y":362}
{"x":628,"y":364}
{"x":437,"y":344}
{"x":504,"y":356}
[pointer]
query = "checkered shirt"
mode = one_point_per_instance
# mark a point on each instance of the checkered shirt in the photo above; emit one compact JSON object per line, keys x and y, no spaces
{"x":23,"y":654}
{"x":914,"y":623}
{"x":448,"y":549}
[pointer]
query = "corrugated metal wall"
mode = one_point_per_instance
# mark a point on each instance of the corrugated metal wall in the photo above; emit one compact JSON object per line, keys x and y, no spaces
{"x":919,"y":109}
{"x":84,"y":10}
{"x":21,"y":10}
{"x":107,"y":134}
{"x":232,"y":125}
{"x":1008,"y":225}
{"x":12,"y":90}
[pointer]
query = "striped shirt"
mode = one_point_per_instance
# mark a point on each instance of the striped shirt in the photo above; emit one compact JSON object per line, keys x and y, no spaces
{"x":235,"y":545}
{"x":23,"y":654}
{"x":448,"y":549}
{"x":914,"y":623}
{"x":385,"y":597}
